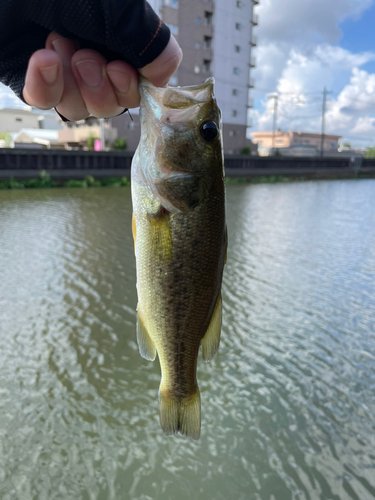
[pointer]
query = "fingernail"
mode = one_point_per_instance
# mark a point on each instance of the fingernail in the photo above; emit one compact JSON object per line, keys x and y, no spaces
{"x":120,"y":80}
{"x":90,"y":71}
{"x":49,"y":73}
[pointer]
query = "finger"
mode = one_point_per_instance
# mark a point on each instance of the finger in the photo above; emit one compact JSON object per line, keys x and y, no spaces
{"x":124,"y":79}
{"x":71,"y":105}
{"x":89,"y":68}
{"x":163,"y":67}
{"x":44,"y":80}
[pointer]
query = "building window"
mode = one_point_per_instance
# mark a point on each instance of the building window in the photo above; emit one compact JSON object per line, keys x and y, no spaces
{"x":173,"y":28}
{"x":206,"y":66}
{"x":239,"y":4}
{"x":236,"y":71}
{"x":234,"y":112}
{"x":208,"y":18}
{"x":172,"y":3}
{"x":233,"y":133}
{"x":197,"y":45}
{"x":237,"y":48}
{"x":18,"y":119}
{"x":238,"y":26}
{"x":234,"y":91}
{"x":207,"y":42}
{"x":130,"y":125}
{"x":198,"y":21}
{"x":173,"y":81}
{"x":279,"y":141}
{"x":197,"y":69}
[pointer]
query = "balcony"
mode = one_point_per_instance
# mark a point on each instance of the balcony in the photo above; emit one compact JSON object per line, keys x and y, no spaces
{"x":251,"y":83}
{"x":255,"y":20}
{"x":252,"y":62}
{"x":250,"y":103}
{"x":253,"y":42}
{"x":256,"y":2}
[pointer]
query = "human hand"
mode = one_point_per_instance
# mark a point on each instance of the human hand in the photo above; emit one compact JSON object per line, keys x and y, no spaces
{"x":83,"y":57}
{"x":81,"y":82}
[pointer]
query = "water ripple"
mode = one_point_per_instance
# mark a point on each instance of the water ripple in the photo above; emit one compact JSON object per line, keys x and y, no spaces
{"x":288,"y":404}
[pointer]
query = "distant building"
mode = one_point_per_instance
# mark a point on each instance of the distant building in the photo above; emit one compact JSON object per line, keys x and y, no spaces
{"x":217,"y":40}
{"x":295,"y":143}
{"x":35,"y":138}
{"x":13,"y":119}
{"x":76,"y":134}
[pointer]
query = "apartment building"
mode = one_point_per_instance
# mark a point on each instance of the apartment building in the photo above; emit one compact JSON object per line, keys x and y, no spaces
{"x":217,"y":39}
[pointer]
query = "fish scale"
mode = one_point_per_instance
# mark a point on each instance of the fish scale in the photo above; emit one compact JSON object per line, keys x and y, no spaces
{"x":180,"y":241}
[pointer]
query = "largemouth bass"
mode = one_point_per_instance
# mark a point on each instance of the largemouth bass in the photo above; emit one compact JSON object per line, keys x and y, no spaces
{"x":180,"y":241}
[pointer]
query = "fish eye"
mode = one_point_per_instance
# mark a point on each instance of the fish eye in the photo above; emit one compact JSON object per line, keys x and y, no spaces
{"x":209,"y":131}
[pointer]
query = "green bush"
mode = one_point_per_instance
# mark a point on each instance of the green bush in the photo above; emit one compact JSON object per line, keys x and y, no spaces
{"x":73,"y":183}
{"x":13,"y":184}
{"x":246,"y":150}
{"x":120,"y":144}
{"x":45,"y":181}
{"x":112,"y":181}
{"x":91,"y":141}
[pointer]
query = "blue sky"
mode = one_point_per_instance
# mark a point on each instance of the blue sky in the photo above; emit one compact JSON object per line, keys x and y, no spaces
{"x":358,"y":34}
{"x":305,"y":46}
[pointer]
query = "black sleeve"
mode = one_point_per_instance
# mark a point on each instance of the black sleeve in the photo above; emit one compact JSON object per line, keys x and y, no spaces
{"x":119,"y":29}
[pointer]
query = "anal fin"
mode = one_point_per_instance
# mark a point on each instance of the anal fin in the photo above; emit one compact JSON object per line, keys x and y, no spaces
{"x":146,"y":346}
{"x":211,"y":340}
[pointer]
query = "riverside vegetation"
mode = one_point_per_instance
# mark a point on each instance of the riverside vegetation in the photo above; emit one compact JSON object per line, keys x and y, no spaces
{"x":45,"y":181}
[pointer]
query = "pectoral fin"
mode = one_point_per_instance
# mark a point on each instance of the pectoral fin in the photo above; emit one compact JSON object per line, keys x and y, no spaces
{"x":134,"y":230}
{"x":160,"y":236}
{"x":146,"y":346}
{"x":211,"y":340}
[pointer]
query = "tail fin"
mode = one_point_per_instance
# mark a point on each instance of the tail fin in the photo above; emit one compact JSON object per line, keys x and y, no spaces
{"x":182,"y":416}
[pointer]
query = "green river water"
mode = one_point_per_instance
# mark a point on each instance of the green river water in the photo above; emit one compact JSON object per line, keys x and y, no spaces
{"x":288,"y":404}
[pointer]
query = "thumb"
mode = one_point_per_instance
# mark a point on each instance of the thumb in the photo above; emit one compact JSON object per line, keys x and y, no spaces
{"x":162,"y":68}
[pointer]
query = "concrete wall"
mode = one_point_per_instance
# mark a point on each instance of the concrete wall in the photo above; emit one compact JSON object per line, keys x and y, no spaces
{"x":77,"y":164}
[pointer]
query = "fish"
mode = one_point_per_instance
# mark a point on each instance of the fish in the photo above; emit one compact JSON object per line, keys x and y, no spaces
{"x":180,"y":239}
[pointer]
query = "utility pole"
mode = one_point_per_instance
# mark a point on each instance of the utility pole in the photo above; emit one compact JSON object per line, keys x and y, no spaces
{"x":102,"y":132}
{"x":275,"y":104}
{"x":324,"y":109}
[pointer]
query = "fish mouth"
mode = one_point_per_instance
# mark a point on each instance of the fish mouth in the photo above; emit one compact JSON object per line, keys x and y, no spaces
{"x":159,"y":99}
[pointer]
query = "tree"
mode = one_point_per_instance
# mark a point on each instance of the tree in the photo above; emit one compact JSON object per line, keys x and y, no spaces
{"x":246,"y":150}
{"x":6,"y":137}
{"x":370,"y":152}
{"x":120,"y":144}
{"x":91,"y":141}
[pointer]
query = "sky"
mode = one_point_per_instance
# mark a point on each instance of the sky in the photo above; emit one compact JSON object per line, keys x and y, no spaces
{"x":304,"y":46}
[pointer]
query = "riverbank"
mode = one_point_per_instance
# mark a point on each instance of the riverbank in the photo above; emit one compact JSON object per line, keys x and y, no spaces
{"x":62,"y":166}
{"x":44,"y":181}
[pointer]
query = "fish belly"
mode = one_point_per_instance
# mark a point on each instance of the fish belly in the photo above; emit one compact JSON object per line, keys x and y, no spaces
{"x":180,"y":259}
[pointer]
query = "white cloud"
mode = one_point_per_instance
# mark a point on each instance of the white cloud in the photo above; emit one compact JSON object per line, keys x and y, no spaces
{"x":8,"y":99}
{"x":298,"y":53}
